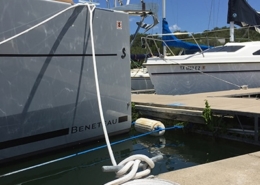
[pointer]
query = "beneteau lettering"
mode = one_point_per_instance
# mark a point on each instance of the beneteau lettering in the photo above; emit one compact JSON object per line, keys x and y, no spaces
{"x":83,"y":128}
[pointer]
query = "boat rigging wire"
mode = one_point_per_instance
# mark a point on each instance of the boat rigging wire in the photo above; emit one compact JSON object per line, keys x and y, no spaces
{"x":211,"y":12}
{"x":200,"y":71}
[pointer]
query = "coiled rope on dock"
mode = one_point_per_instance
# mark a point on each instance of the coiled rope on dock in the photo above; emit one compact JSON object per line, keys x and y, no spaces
{"x":131,"y":164}
{"x":128,"y":169}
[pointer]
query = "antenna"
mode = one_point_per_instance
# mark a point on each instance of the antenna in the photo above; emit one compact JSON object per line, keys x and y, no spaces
{"x":164,"y":16}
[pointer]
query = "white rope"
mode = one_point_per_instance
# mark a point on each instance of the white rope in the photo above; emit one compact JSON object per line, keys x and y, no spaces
{"x":133,"y":162}
{"x":91,"y":9}
{"x":39,"y":24}
{"x":28,"y":23}
{"x":130,"y":162}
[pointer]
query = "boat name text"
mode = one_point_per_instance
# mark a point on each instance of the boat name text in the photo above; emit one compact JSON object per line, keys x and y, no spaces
{"x":76,"y":129}
{"x":192,"y":67}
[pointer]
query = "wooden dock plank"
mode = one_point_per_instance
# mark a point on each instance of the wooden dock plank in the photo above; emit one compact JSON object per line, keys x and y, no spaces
{"x":189,"y":107}
{"x":173,"y":114}
{"x":217,"y":101}
{"x":239,"y":170}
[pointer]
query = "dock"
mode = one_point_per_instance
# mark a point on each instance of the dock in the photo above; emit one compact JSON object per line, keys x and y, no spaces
{"x":239,"y":170}
{"x":242,"y":102}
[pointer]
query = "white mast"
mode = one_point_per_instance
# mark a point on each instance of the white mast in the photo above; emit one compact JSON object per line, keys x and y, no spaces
{"x":232,"y":29}
{"x":164,"y":16}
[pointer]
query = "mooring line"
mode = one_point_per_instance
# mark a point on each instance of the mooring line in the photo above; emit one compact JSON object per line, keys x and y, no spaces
{"x":87,"y":151}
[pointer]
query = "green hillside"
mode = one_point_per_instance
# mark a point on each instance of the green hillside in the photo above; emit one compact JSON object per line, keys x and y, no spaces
{"x":215,"y":37}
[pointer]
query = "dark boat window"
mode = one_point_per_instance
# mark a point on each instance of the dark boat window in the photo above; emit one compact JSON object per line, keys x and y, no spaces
{"x":224,"y":49}
{"x":257,"y":52}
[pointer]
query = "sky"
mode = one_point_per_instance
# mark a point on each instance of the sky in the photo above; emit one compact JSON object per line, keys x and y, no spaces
{"x":193,"y":16}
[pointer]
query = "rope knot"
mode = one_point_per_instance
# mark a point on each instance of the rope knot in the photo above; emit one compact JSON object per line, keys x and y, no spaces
{"x":128,"y":168}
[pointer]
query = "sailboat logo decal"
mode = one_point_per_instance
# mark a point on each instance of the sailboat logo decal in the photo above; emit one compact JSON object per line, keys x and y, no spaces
{"x":119,"y":24}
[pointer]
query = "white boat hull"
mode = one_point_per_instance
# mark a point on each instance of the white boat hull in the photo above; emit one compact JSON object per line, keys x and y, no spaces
{"x":176,"y":79}
{"x":222,"y":68}
{"x":140,"y":79}
{"x":48,"y":96}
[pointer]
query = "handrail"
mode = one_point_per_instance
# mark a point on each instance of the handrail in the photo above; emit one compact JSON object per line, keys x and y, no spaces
{"x":151,"y":37}
{"x":66,"y":1}
{"x":158,"y":49}
{"x":198,"y":45}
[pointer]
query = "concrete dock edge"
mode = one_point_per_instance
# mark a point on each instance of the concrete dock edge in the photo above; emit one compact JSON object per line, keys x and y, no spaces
{"x":241,"y":170}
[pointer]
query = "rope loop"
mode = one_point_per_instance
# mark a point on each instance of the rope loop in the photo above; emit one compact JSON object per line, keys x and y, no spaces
{"x":130,"y":169}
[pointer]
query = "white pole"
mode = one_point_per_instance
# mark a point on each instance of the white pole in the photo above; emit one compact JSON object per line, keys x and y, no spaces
{"x":232,"y":29}
{"x":164,"y":16}
{"x":115,"y":3}
{"x":164,"y":8}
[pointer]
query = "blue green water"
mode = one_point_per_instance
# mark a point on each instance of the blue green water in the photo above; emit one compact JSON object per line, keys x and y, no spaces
{"x":179,"y":150}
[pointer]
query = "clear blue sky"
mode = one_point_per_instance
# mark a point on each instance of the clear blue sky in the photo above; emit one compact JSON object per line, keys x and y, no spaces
{"x":189,"y":15}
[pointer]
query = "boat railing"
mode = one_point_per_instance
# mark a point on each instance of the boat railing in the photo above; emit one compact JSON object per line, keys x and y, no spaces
{"x":158,"y":38}
{"x":143,"y":10}
{"x":145,"y":44}
{"x":211,"y":40}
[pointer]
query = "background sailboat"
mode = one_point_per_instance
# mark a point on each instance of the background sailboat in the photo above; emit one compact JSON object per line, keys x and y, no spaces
{"x":232,"y":66}
{"x":140,"y":78}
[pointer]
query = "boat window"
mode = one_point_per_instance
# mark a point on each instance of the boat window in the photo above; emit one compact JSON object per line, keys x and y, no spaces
{"x":256,"y":52}
{"x":224,"y":49}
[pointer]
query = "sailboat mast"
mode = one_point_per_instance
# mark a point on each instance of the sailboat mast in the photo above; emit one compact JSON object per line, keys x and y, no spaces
{"x":164,"y":16}
{"x":232,"y":29}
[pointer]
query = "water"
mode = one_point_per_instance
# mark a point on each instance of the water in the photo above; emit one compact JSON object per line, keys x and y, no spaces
{"x":180,"y":150}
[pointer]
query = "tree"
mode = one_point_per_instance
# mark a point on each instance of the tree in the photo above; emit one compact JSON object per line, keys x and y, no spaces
{"x":217,"y":36}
